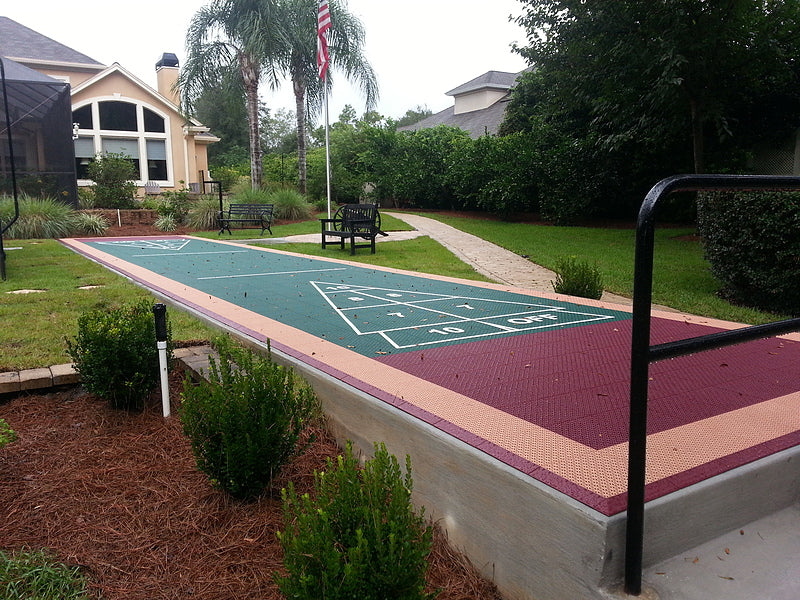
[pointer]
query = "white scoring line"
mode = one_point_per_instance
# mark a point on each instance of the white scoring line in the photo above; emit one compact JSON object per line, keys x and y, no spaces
{"x":277,"y":273}
{"x":190,"y":253}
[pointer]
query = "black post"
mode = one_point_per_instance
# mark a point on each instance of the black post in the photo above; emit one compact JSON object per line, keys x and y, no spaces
{"x":12,"y":163}
{"x":160,"y":314}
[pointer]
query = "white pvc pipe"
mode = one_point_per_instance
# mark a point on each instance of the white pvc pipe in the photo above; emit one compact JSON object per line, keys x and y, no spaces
{"x":162,"y":365}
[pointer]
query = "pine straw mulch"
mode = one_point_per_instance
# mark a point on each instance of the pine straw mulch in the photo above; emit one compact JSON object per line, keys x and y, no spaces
{"x":119,"y":495}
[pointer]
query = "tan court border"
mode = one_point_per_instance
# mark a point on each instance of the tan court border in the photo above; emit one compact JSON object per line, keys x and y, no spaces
{"x":602,"y":472}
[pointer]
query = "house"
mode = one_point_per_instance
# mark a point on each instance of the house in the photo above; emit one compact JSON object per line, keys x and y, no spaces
{"x":479,"y":105}
{"x":115,"y":111}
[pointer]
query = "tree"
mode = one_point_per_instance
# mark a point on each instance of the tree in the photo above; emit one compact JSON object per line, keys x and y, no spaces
{"x":278,"y":132}
{"x":299,"y":60}
{"x":414,"y":115}
{"x":230,"y":37}
{"x":661,"y":73}
{"x":222,"y":108}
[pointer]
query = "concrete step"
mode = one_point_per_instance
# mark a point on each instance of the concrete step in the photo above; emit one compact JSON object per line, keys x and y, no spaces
{"x":758,"y":560}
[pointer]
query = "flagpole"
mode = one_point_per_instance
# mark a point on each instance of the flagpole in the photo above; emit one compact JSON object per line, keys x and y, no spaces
{"x":327,"y":148}
{"x":323,"y":58}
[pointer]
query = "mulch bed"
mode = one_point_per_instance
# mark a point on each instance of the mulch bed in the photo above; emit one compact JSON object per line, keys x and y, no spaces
{"x":119,"y":494}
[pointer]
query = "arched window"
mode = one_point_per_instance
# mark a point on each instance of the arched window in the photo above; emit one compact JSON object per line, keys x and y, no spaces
{"x":127,"y":127}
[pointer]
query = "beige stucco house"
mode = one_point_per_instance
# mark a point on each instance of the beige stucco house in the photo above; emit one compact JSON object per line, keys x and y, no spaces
{"x":115,"y":111}
{"x":478,"y":105}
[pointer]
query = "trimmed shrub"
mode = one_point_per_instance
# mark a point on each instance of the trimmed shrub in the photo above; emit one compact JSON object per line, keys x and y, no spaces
{"x":578,"y":278}
{"x":290,"y":205}
{"x":244,"y":422}
{"x":113,"y":176}
{"x":359,"y":537}
{"x":7,"y":435}
{"x":752,"y":240}
{"x":115,"y":353}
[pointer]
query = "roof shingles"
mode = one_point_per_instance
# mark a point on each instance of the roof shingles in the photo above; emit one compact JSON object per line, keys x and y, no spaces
{"x":22,"y":43}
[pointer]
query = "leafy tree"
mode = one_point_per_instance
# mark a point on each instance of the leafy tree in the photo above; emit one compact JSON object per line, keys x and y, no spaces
{"x":673,"y":83}
{"x":299,"y":60}
{"x":278,"y":133}
{"x":414,"y":115}
{"x":222,"y":108}
{"x":234,"y":43}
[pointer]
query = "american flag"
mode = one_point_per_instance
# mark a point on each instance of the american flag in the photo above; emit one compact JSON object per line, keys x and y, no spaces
{"x":323,"y":25}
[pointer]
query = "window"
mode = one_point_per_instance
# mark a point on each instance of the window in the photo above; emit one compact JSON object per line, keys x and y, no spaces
{"x":156,"y":160}
{"x":83,"y":117}
{"x":152,"y":122}
{"x":129,"y":148}
{"x":84,"y":154}
{"x":123,"y":127}
{"x":118,"y":116}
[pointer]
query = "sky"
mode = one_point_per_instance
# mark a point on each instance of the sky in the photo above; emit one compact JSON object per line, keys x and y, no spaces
{"x":419,"y":49}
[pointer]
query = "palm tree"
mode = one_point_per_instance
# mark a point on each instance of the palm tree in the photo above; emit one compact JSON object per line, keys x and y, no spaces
{"x":299,"y":59}
{"x":233,"y":43}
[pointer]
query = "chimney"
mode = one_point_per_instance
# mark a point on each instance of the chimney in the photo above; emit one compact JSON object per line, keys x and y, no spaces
{"x":167,"y":77}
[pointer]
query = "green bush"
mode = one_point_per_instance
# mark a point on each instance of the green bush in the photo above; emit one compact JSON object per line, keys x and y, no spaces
{"x":251,"y":196}
{"x":578,"y":278}
{"x":290,"y":205}
{"x":113,"y":176}
{"x":752,"y":240}
{"x":89,"y":224}
{"x":85,"y":198}
{"x":203,"y":213}
{"x":244,"y":422}
{"x":166,"y":223}
{"x":359,"y":537}
{"x":115,"y":353}
{"x":36,"y":575}
{"x":242,"y":186}
{"x":43,"y":218}
{"x":175,"y":204}
{"x":7,"y":435}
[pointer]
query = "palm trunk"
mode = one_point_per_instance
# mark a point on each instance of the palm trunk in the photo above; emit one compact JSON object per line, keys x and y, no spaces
{"x":250,"y":75}
{"x":300,"y":106}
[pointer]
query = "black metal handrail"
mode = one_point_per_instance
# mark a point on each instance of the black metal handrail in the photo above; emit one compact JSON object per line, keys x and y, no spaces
{"x":642,"y":354}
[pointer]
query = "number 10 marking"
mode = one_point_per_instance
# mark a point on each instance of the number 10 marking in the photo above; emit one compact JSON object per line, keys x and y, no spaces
{"x":446,"y":330}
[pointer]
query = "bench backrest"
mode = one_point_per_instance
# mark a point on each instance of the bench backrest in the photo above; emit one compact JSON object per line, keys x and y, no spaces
{"x":255,"y":210}
{"x":352,"y":213}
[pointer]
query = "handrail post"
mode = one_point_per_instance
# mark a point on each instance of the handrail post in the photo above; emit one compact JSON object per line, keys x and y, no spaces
{"x":641,"y":350}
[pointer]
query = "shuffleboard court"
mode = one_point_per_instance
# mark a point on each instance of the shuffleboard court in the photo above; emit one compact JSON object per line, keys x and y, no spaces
{"x":535,"y":380}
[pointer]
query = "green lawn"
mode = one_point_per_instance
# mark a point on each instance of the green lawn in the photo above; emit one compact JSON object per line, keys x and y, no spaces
{"x":36,"y":324}
{"x":681,"y":275}
{"x":421,"y":254}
